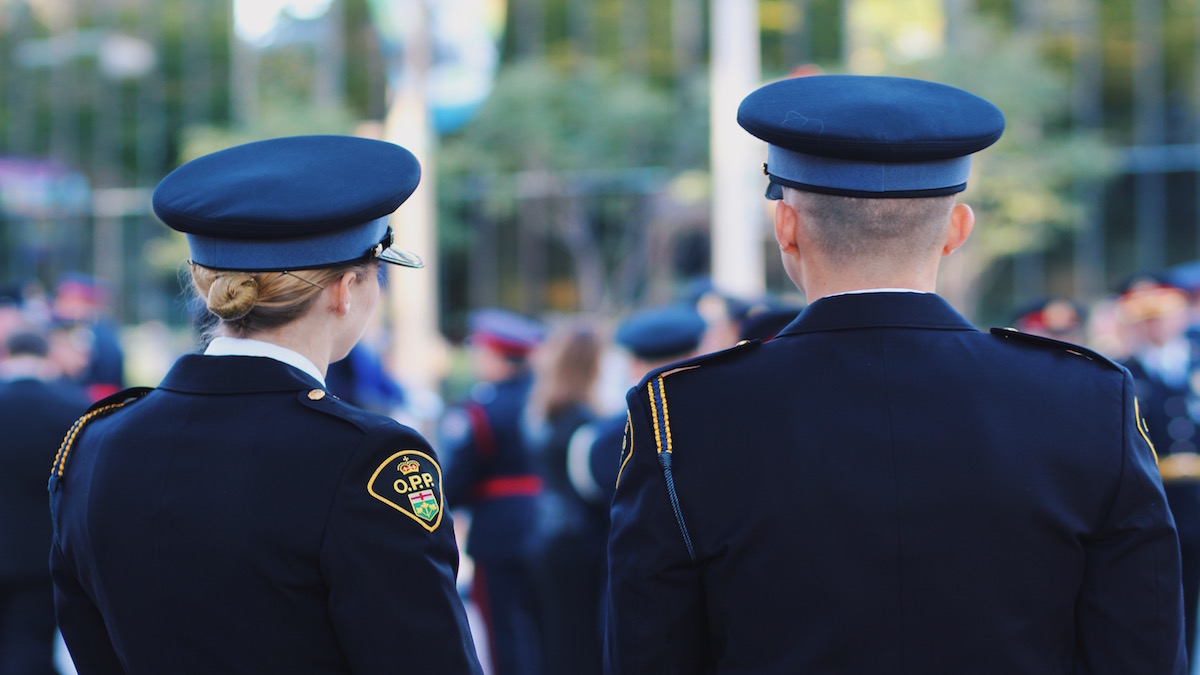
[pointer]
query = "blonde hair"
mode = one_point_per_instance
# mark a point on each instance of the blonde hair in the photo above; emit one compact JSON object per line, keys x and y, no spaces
{"x":249,"y":302}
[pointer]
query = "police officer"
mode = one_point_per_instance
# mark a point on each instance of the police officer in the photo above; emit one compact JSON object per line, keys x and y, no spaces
{"x":883,"y":488}
{"x":37,"y":406}
{"x":650,"y":338}
{"x":1053,"y":317}
{"x":1152,"y":312}
{"x":240,"y":518}
{"x":764,"y":320}
{"x":490,"y":472}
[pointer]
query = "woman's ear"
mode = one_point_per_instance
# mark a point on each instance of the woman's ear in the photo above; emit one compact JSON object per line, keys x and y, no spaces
{"x":343,"y":292}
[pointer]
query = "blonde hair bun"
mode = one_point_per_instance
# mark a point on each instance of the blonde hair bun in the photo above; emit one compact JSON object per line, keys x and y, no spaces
{"x":232,"y":296}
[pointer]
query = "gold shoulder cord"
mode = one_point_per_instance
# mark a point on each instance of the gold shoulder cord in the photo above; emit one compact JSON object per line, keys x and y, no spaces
{"x":662,"y":432}
{"x":60,"y":460}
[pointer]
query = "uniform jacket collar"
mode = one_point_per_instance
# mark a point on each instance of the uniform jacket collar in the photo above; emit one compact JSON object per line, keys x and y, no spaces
{"x":878,"y":310}
{"x":196,"y":374}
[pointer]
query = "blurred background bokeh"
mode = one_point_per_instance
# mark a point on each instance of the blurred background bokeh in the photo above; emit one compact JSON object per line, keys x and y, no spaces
{"x":581,"y":156}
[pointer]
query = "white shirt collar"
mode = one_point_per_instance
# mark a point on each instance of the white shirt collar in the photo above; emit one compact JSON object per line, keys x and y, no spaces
{"x":876,"y":290}
{"x":231,"y":346}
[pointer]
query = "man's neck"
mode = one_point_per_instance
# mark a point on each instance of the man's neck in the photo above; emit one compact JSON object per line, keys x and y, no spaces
{"x":826,"y":288}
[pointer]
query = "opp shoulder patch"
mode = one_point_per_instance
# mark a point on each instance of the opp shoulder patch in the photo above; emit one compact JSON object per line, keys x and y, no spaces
{"x":410,"y":481}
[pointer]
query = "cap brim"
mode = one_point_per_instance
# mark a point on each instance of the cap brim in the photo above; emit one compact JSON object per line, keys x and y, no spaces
{"x":395,"y":256}
{"x":774,"y":191}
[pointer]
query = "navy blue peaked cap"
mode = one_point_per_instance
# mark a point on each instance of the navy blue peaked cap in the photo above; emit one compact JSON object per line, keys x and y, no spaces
{"x":290,"y":203}
{"x":661,"y":332}
{"x":869,"y":136}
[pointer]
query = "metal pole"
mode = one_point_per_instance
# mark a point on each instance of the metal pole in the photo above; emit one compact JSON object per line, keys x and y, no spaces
{"x":328,"y":79}
{"x":1090,"y":279}
{"x":413,"y":294}
{"x":738,"y":212}
{"x":197,"y":64}
{"x":243,"y":76}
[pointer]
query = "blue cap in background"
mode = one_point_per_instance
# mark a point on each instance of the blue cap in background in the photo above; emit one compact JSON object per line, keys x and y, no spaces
{"x":662,"y":332}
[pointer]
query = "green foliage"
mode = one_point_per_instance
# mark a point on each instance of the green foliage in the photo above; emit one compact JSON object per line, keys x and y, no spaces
{"x":276,"y":117}
{"x":542,"y":118}
{"x":1022,"y":189}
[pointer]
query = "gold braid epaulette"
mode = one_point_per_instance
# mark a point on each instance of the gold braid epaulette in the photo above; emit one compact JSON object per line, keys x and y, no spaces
{"x":98,"y":410}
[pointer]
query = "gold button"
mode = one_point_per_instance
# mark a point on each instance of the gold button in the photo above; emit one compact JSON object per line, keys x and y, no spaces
{"x":742,"y":342}
{"x":316,"y":395}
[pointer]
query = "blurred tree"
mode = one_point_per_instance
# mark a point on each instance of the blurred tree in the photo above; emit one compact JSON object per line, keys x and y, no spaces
{"x":562,"y":139}
{"x":589,"y":119}
{"x":1022,"y":188}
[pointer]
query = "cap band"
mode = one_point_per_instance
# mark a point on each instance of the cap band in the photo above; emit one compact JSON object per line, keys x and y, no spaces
{"x":272,"y":255}
{"x":865,"y":179}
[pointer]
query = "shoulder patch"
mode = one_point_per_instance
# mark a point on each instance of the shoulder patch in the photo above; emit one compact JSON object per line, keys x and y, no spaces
{"x":410,"y":481}
{"x":1069,"y":347}
{"x":626,"y":445}
{"x":101,"y":408}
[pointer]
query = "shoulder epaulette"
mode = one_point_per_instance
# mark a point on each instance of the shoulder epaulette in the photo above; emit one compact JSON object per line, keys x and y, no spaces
{"x":696,"y":361}
{"x":328,"y":403}
{"x":1069,"y":347}
{"x":101,"y":408}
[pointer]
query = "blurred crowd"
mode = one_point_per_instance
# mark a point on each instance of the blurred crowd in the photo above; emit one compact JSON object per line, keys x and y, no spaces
{"x":531,"y":450}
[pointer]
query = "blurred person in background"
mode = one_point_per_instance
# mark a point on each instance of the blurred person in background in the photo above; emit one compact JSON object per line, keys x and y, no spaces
{"x":649,"y":338}
{"x":723,"y":314}
{"x":1165,"y":364}
{"x":360,"y":379}
{"x":240,"y":518}
{"x":572,"y":532}
{"x":81,"y":306}
{"x":11,"y":315}
{"x":1057,"y":318}
{"x":365,"y":379}
{"x":490,"y":473}
{"x":763,"y":320}
{"x":37,"y":407}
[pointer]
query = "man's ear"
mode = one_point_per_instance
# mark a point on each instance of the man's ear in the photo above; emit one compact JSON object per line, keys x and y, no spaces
{"x":962,"y":221}
{"x":786,"y":223}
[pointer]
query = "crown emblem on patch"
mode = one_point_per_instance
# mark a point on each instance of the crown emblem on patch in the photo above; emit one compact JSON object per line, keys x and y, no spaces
{"x":409,"y":466}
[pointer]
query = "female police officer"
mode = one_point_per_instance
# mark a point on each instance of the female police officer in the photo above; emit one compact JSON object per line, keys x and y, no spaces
{"x":239,"y":518}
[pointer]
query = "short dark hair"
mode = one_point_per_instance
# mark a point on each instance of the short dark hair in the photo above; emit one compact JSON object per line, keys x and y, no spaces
{"x":845,"y":228}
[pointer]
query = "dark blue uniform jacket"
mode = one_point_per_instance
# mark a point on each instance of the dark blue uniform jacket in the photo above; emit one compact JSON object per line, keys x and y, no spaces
{"x":239,"y":520}
{"x":34,"y":416}
{"x":490,"y":471}
{"x":884,"y":489}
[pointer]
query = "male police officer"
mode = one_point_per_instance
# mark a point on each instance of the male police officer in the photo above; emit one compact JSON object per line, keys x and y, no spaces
{"x":882,"y":488}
